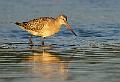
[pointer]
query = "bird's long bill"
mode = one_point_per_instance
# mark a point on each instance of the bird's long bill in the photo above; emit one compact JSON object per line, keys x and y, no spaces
{"x":69,"y":27}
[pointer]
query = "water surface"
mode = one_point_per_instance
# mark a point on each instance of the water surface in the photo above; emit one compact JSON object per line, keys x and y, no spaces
{"x":92,"y":56}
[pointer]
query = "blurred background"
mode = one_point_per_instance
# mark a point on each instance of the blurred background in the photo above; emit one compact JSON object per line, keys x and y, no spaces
{"x":92,"y":56}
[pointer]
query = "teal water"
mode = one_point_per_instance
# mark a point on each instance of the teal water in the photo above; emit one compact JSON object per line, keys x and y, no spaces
{"x":92,"y":56}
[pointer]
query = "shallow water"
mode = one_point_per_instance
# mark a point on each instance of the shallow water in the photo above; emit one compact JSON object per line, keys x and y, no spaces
{"x":92,"y":56}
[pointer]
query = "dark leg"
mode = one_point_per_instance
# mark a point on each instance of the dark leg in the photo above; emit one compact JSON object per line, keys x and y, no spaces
{"x":30,"y":40}
{"x":43,"y":41}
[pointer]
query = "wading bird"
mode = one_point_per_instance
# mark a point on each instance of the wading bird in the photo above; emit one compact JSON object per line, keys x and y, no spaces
{"x":45,"y":26}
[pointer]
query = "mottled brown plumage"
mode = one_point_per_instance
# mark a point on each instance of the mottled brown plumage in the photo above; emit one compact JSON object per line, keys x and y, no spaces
{"x":45,"y":26}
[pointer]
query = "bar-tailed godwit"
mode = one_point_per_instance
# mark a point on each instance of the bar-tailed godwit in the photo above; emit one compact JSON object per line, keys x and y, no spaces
{"x":45,"y":26}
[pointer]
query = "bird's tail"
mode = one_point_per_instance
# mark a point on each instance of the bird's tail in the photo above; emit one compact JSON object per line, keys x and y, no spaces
{"x":19,"y":24}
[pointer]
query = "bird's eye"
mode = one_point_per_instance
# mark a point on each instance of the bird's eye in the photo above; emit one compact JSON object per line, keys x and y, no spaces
{"x":63,"y":19}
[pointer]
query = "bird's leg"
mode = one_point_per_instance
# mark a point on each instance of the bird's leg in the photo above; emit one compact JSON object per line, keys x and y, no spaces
{"x":30,"y":40}
{"x":43,"y":41}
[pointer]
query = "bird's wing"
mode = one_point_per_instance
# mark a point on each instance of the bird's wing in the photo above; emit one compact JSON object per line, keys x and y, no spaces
{"x":37,"y":24}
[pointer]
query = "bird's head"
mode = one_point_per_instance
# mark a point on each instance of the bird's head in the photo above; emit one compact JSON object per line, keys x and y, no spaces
{"x":63,"y":21}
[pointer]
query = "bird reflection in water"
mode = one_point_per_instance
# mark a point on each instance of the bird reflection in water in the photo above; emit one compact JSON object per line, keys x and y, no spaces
{"x":48,"y":65}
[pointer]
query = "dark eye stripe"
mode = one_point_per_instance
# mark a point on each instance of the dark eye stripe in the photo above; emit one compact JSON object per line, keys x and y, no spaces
{"x":65,"y":17}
